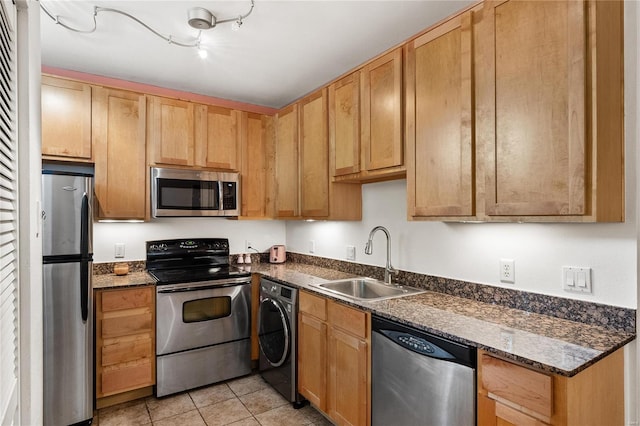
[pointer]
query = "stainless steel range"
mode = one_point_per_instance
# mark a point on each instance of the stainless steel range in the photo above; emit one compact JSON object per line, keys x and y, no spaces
{"x":203,"y":314}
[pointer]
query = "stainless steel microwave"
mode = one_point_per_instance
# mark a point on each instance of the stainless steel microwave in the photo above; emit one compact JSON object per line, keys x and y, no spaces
{"x":182,"y":192}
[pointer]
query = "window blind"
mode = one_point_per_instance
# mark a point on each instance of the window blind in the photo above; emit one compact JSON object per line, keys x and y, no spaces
{"x":8,"y":220}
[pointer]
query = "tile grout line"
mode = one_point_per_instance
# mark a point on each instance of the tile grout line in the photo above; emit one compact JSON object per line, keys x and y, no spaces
{"x":197,"y":408}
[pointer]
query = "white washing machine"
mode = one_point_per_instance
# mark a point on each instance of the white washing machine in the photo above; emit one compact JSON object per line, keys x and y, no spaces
{"x":277,"y":335}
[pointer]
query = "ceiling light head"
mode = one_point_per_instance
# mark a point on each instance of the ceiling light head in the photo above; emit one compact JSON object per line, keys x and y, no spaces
{"x":201,"y":19}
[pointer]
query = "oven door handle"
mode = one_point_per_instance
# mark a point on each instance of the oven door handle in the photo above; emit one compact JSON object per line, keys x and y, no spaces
{"x":181,"y":288}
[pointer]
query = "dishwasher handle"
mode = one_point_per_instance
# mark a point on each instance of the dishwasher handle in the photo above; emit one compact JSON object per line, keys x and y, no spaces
{"x":417,"y":344}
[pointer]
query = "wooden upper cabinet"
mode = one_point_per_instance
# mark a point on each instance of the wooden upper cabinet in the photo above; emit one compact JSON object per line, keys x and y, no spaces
{"x":286,"y":160}
{"x":540,"y":103}
{"x":440,"y":145}
{"x":382,"y":133}
{"x":344,"y":125}
{"x":256,"y":141}
{"x":314,"y":155}
{"x":216,"y":135}
{"x":66,"y":119}
{"x":170,"y":131}
{"x":119,"y":121}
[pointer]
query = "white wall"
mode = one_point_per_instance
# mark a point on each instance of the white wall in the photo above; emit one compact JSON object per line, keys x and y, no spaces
{"x":471,"y":251}
{"x":262,"y":234}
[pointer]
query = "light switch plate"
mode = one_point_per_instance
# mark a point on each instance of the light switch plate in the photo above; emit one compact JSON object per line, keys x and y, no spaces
{"x":351,"y":253}
{"x":576,"y":279}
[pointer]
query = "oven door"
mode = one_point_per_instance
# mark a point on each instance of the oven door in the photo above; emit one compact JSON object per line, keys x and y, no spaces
{"x":195,"y":315}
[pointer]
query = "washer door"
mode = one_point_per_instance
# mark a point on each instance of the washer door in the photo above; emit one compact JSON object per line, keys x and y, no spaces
{"x":273,"y":331}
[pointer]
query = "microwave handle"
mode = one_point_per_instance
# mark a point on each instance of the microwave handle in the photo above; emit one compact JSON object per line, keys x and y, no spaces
{"x":220,"y":195}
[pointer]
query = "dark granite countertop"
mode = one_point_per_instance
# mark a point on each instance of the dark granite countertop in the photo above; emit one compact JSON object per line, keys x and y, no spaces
{"x":132,"y":279}
{"x":550,"y":344}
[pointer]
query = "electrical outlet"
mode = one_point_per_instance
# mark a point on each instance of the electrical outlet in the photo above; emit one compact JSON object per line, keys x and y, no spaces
{"x":248,"y":245}
{"x":119,"y":250}
{"x":351,"y":253}
{"x":312,"y":246}
{"x":507,"y":271}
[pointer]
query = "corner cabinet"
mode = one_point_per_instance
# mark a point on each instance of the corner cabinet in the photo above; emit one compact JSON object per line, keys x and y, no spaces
{"x":511,"y":394}
{"x":118,"y":132}
{"x":66,"y":120}
{"x":303,"y":161}
{"x":125,"y":344}
{"x":334,"y":359}
{"x":515,"y":113}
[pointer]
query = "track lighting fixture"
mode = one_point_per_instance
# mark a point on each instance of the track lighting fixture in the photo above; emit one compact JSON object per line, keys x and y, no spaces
{"x":197,"y":17}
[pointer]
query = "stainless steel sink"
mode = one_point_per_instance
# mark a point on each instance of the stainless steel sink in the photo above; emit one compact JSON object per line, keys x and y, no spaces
{"x":368,"y":289}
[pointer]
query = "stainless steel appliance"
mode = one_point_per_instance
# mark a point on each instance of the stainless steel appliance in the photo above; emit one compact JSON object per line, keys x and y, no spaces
{"x":420,"y":379}
{"x":181,"y":192}
{"x":203,"y":314}
{"x":277,"y":337}
{"x":67,"y":297}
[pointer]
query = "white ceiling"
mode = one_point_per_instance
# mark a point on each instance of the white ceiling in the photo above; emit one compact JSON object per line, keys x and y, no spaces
{"x":284,"y":50}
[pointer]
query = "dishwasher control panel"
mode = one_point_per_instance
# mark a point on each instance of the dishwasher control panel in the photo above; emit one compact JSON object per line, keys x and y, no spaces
{"x":417,"y":344}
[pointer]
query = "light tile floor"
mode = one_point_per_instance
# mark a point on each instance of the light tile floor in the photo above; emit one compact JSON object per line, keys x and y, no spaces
{"x":247,"y":401}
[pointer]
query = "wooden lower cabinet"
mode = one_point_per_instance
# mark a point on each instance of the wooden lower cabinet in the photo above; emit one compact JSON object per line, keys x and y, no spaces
{"x":511,"y":394}
{"x":125,"y":344}
{"x":334,"y":359}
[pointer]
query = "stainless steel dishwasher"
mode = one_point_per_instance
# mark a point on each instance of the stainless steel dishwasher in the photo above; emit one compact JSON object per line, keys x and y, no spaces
{"x":419,"y":379}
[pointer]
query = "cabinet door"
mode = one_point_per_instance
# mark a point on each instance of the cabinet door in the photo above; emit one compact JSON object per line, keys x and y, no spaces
{"x":66,"y":118}
{"x":256,"y":135}
{"x":170,"y":131}
{"x":118,"y":120}
{"x":287,"y":163}
{"x":314,"y":156}
{"x":439,"y":121}
{"x":347,"y":378}
{"x":216,"y":136}
{"x":344,"y":125}
{"x":382,"y":140}
{"x":312,"y":358}
{"x":531,"y":107}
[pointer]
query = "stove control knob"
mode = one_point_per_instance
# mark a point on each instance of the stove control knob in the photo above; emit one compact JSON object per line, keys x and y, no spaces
{"x":273,"y":289}
{"x":163,"y":247}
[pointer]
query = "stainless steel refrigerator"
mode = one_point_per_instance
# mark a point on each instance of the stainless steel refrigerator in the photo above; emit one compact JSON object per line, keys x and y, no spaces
{"x":67,"y":297}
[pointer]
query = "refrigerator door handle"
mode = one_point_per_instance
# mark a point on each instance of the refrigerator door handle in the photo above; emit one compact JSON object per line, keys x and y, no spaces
{"x":85,"y":266}
{"x":84,"y":256}
{"x":84,"y":226}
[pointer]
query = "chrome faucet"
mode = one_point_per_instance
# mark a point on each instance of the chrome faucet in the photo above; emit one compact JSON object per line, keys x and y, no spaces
{"x":368,"y":249}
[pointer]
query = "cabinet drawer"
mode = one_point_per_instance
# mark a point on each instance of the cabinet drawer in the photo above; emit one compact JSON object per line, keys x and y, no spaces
{"x":349,"y":319}
{"x":128,"y":377}
{"x":127,"y":350}
{"x":127,"y":325}
{"x":119,"y":300}
{"x":516,"y":417}
{"x":520,"y":386}
{"x":313,"y":305}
